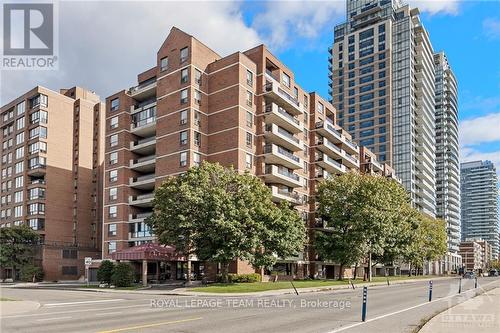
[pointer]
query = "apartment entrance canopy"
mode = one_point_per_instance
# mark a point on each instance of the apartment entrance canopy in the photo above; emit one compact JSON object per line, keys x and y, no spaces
{"x":148,"y":251}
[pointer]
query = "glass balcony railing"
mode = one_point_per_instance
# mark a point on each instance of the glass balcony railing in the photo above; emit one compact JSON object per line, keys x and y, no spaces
{"x":143,"y":122}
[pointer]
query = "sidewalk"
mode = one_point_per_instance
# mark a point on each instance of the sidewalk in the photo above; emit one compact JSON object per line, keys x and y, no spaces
{"x":184,"y":291}
{"x":480,"y":314}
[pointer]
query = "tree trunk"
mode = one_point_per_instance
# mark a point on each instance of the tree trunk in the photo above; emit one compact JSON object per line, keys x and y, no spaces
{"x":224,"y":272}
{"x":355,"y":275}
{"x":409,"y":269}
{"x":370,"y":267}
{"x":341,"y":272}
{"x":188,"y":275}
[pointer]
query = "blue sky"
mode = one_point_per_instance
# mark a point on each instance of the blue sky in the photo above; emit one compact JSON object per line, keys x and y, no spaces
{"x":107,"y":55}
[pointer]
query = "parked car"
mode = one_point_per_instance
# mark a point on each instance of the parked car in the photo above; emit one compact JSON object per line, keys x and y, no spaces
{"x":493,"y":272}
{"x":469,"y":275}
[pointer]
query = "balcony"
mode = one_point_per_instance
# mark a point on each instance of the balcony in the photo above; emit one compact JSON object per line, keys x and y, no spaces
{"x":330,"y":165}
{"x":275,"y":134}
{"x":279,"y":175}
{"x":144,"y":90}
{"x":151,"y":103}
{"x":350,"y":161}
{"x":279,"y":96}
{"x":37,"y":170}
{"x":330,"y":148}
{"x":140,"y":235}
{"x":144,"y":127}
{"x":279,"y":194}
{"x":327,"y":130}
{"x":143,"y":200}
{"x":146,"y":182}
{"x":139,"y":217}
{"x":146,"y":146}
{"x":376,"y":165}
{"x":274,"y":154}
{"x":144,"y":164}
{"x":275,"y":114}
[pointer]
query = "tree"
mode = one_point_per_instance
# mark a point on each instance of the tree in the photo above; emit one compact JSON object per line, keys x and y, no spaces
{"x":31,"y":273}
{"x":222,"y":215}
{"x":123,"y":275}
{"x":18,"y":246}
{"x":364,"y":216}
{"x":105,"y":271}
{"x":427,"y":240}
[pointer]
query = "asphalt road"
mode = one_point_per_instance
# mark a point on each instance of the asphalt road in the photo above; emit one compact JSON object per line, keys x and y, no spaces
{"x":395,"y":308}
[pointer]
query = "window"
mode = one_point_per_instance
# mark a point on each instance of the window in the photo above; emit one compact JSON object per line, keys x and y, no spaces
{"x":18,"y":211}
{"x":36,"y":224}
{"x":37,"y":147}
{"x":197,"y":97}
{"x":381,"y":28}
{"x":351,"y":39}
{"x":248,"y":161}
{"x":249,"y":98}
{"x":113,"y":193}
{"x":112,"y":229}
{"x":40,"y":99}
{"x":18,"y":197}
{"x":249,"y":78}
{"x":20,"y":108}
{"x":115,"y":104}
{"x":381,"y":138}
{"x":19,"y":138}
{"x":39,"y":116}
{"x":19,"y":167}
{"x":113,"y":140}
{"x":111,"y":248}
{"x":196,"y":159}
{"x":320,"y":108}
{"x":184,"y":117}
{"x":183,"y":137}
{"x":184,"y":75}
{"x":183,"y":159}
{"x":70,"y":254}
{"x":249,"y":119}
{"x":351,"y":118}
{"x":38,"y":131}
{"x":381,"y":120}
{"x":184,"y":96}
{"x":164,"y":63}
{"x":184,"y":54}
{"x":113,"y":175}
{"x":113,"y":212}
{"x":249,"y":139}
{"x":286,"y":80}
{"x":197,"y":139}
{"x":296,"y":92}
{"x":113,"y":123}
{"x":381,"y":56}
{"x":197,"y":118}
{"x":197,"y":77}
{"x":19,"y":152}
{"x":36,"y":193}
{"x":113,"y":158}
{"x":20,"y":123}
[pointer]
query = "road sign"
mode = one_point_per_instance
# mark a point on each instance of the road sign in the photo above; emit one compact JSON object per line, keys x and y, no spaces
{"x":88,"y":261}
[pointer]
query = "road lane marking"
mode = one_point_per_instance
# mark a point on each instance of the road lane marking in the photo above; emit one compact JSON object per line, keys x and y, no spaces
{"x":151,"y":325}
{"x":108,"y":313}
{"x":403,"y":310}
{"x":75,"y":311}
{"x":57,"y":318}
{"x":84,"y":302}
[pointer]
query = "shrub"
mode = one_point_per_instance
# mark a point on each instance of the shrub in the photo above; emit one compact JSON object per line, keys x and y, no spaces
{"x":31,"y":273}
{"x":241,"y":278}
{"x":123,"y":275}
{"x":105,"y":271}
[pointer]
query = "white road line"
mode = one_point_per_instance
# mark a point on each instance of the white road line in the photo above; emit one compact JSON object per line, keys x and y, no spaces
{"x":403,"y":310}
{"x":57,"y":318}
{"x":108,"y":313}
{"x":84,"y":302}
{"x":75,"y":311}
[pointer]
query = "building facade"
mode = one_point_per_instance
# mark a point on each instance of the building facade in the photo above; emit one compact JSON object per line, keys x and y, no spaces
{"x":244,"y":110}
{"x":382,"y":84}
{"x":479,"y":197}
{"x":52,"y":156}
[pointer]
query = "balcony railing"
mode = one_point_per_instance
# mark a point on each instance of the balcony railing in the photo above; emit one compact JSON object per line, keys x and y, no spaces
{"x":282,"y":171}
{"x":143,"y":178}
{"x":143,"y":122}
{"x":143,"y":196}
{"x":269,"y":149}
{"x":269,"y":87}
{"x":141,"y":234}
{"x":144,"y":159}
{"x":269,"y":108}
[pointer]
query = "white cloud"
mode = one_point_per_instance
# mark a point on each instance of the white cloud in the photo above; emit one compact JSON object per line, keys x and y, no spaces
{"x":284,"y":22}
{"x":491,"y":27}
{"x":470,"y":154}
{"x":480,"y":129}
{"x":104,"y":45}
{"x":437,"y":6}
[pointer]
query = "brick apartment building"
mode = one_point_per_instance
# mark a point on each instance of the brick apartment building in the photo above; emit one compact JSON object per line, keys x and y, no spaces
{"x":476,"y":255}
{"x":244,"y":110}
{"x":52,"y":155}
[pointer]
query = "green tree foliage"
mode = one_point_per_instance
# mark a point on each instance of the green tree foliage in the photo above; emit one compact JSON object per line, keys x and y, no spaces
{"x":18,"y":246}
{"x":31,"y":273}
{"x":123,"y":275}
{"x":222,"y":215}
{"x":365,"y":216}
{"x":105,"y":271}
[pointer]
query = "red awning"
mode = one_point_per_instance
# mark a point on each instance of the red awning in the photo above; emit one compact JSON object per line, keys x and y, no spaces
{"x":148,"y":251}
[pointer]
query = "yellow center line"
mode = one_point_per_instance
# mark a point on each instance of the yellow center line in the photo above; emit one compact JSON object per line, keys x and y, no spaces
{"x":151,"y":325}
